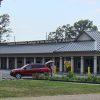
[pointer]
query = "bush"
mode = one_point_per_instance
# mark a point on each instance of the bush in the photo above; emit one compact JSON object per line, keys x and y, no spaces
{"x":35,"y":75}
{"x":81,"y":79}
{"x":70,"y":76}
{"x":41,"y":76}
{"x":93,"y":79}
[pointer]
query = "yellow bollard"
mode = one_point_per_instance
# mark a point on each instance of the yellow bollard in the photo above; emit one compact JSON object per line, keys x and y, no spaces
{"x":89,"y":72}
{"x":71,"y":69}
{"x":54,"y":69}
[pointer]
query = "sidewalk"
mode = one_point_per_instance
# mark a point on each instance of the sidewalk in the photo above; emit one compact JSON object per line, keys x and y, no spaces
{"x":61,"y":97}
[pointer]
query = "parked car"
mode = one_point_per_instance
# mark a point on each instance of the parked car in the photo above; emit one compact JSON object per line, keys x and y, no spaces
{"x":29,"y":69}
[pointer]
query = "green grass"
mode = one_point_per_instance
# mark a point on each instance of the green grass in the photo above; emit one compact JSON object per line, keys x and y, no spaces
{"x":22,"y":88}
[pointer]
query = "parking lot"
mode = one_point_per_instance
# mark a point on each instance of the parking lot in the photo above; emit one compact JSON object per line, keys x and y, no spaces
{"x":5,"y":74}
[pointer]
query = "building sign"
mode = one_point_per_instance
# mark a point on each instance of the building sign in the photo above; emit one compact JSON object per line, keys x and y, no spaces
{"x":67,"y":64}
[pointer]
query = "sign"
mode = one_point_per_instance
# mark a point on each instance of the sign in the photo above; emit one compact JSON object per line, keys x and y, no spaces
{"x":67,"y":64}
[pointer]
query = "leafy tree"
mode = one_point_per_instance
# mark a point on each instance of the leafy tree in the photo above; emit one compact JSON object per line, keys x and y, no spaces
{"x":4,"y":30}
{"x":84,"y":25}
{"x":77,"y":28}
{"x":68,"y":31}
{"x":56,"y":35}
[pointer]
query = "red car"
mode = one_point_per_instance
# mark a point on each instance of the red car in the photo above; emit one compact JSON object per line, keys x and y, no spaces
{"x":29,"y":69}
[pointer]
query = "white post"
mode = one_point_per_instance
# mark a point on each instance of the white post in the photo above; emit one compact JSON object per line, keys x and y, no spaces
{"x":7,"y":63}
{"x":24,"y":60}
{"x":52,"y":68}
{"x":95,"y":64}
{"x":0,"y":62}
{"x":43,"y":60}
{"x":60,"y":69}
{"x":0,"y":70}
{"x":15,"y":62}
{"x":34,"y":60}
{"x":72,"y":64}
{"x":99,"y":64}
{"x":82,"y":62}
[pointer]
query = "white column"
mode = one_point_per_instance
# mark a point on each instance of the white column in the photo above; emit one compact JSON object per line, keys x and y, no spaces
{"x":24,"y":60}
{"x":99,"y":64}
{"x":53,"y":59}
{"x":43,"y":60}
{"x":34,"y":60}
{"x":60,"y":68}
{"x":82,"y":62}
{"x":0,"y":71}
{"x":15,"y":62}
{"x":72,"y":64}
{"x":95,"y":64}
{"x":7,"y":63}
{"x":0,"y":62}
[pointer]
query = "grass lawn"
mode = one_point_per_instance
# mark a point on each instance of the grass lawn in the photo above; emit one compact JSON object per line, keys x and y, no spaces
{"x":22,"y":88}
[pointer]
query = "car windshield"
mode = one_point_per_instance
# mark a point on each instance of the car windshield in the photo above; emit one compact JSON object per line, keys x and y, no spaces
{"x":23,"y":67}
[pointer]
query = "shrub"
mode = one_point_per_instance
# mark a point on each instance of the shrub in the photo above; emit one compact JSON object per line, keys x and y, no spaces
{"x":70,"y":76}
{"x":94,"y":78}
{"x":41,"y":76}
{"x":80,"y":79}
{"x":35,"y":75}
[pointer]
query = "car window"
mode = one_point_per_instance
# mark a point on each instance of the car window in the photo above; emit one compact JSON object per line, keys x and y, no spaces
{"x":28,"y":67}
{"x":38,"y":66}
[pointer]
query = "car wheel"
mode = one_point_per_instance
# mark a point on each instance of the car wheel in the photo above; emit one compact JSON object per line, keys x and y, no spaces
{"x":18,"y":76}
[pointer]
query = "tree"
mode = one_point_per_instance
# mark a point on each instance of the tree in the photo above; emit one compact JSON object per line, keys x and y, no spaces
{"x":68,"y":31}
{"x":84,"y":25}
{"x":77,"y":28}
{"x":56,"y":35}
{"x":4,"y":30}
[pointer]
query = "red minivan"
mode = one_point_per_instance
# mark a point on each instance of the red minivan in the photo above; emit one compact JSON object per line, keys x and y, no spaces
{"x":29,"y":69}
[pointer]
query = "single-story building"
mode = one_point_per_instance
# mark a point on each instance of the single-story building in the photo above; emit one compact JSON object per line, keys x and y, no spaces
{"x":82,"y":52}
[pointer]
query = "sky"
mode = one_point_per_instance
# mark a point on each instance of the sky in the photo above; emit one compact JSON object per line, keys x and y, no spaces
{"x":32,"y":19}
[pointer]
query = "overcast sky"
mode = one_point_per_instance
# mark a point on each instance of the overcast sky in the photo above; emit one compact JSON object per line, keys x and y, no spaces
{"x":31,"y":19}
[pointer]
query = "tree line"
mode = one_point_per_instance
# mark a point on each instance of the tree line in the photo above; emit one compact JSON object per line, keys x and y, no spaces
{"x":68,"y":32}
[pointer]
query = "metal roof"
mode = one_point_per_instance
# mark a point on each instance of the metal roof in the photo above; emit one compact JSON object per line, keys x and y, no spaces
{"x":55,"y":47}
{"x":96,"y":36}
{"x":37,"y":48}
{"x":78,"y":46}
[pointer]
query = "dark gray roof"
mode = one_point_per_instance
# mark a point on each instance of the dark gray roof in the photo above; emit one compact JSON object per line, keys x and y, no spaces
{"x":37,"y":48}
{"x":78,"y":46}
{"x":73,"y":46}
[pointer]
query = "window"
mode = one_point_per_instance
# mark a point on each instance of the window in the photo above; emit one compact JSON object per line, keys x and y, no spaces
{"x":38,"y":66}
{"x":28,"y":67}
